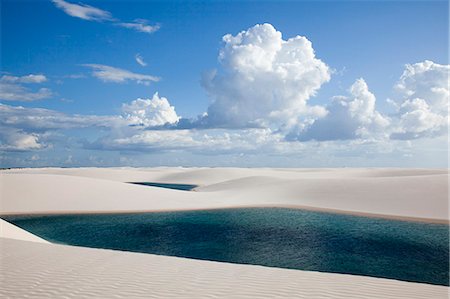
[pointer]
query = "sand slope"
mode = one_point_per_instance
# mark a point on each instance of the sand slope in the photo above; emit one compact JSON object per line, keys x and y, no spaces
{"x":8,"y":230}
{"x":420,"y":193}
{"x":35,"y":270}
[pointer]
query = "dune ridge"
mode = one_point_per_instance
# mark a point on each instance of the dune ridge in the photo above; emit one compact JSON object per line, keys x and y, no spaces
{"x":403,"y":193}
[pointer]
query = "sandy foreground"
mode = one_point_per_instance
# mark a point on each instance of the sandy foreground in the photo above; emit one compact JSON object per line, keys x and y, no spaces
{"x":31,"y":267}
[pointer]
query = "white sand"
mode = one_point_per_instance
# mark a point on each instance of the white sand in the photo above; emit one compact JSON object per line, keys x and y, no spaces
{"x":417,"y":193}
{"x":7,"y":230}
{"x":32,"y":269}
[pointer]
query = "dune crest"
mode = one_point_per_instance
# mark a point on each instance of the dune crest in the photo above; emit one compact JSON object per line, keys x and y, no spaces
{"x":403,"y":193}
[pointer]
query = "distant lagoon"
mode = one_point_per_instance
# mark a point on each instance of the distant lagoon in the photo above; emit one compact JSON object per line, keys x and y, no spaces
{"x":276,"y":237}
{"x":183,"y":187}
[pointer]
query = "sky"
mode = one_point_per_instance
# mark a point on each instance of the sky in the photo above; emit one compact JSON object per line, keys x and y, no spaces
{"x":224,"y":83}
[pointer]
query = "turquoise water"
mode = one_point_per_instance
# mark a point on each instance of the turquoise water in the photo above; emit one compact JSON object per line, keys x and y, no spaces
{"x":275,"y":237}
{"x":184,"y":187}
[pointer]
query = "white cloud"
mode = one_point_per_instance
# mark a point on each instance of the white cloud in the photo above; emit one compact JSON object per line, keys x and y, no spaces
{"x":26,"y":142}
{"x":423,"y":101}
{"x":140,"y":25}
{"x":28,"y":128}
{"x":83,"y":11}
{"x":18,"y":140}
{"x":14,"y":92}
{"x":12,"y":89}
{"x":348,"y":117}
{"x":39,"y":119}
{"x":147,"y":140}
{"x":150,"y":112}
{"x":140,"y":60}
{"x":75,"y":76}
{"x":426,"y":80}
{"x":24,"y":128}
{"x":91,"y":13}
{"x":418,"y":120}
{"x":265,"y":81}
{"x":111,"y":74}
{"x":31,"y":78}
{"x":212,"y":141}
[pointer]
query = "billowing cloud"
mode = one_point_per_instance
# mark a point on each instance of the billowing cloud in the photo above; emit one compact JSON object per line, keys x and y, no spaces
{"x":265,"y":81}
{"x":422,"y":106}
{"x":142,"y":113}
{"x":22,"y":128}
{"x":140,"y":60}
{"x":259,"y":105}
{"x":12,"y":88}
{"x":153,"y":112}
{"x":83,"y":11}
{"x":140,"y":25}
{"x":25,"y":129}
{"x":418,"y":120}
{"x":348,"y":117}
{"x":90,"y":13}
{"x":112,"y":74}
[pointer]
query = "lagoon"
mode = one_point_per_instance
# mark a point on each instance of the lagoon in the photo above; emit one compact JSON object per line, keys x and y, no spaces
{"x":183,"y":187}
{"x":276,"y":237}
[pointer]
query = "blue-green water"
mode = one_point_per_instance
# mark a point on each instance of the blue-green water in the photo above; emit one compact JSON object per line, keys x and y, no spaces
{"x":184,"y":187}
{"x":283,"y":238}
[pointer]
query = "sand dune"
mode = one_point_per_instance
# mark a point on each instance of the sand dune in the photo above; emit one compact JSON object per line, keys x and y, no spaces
{"x":8,"y":230}
{"x":37,"y":270}
{"x":416,"y":193}
{"x":34,"y":270}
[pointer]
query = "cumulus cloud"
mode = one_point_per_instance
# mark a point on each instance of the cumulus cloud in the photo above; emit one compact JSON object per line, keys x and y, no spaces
{"x":422,"y":106}
{"x":348,"y":117}
{"x":22,"y":128}
{"x":18,"y":140}
{"x":12,"y":88}
{"x":112,"y":74}
{"x":418,"y":120}
{"x":140,"y":113}
{"x":153,"y":112}
{"x":140,"y":60}
{"x":421,"y":109}
{"x":265,"y":80}
{"x":140,"y":25}
{"x":91,"y":13}
{"x":83,"y":11}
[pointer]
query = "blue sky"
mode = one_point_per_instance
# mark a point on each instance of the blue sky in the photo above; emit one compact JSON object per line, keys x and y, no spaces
{"x":83,"y":49}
